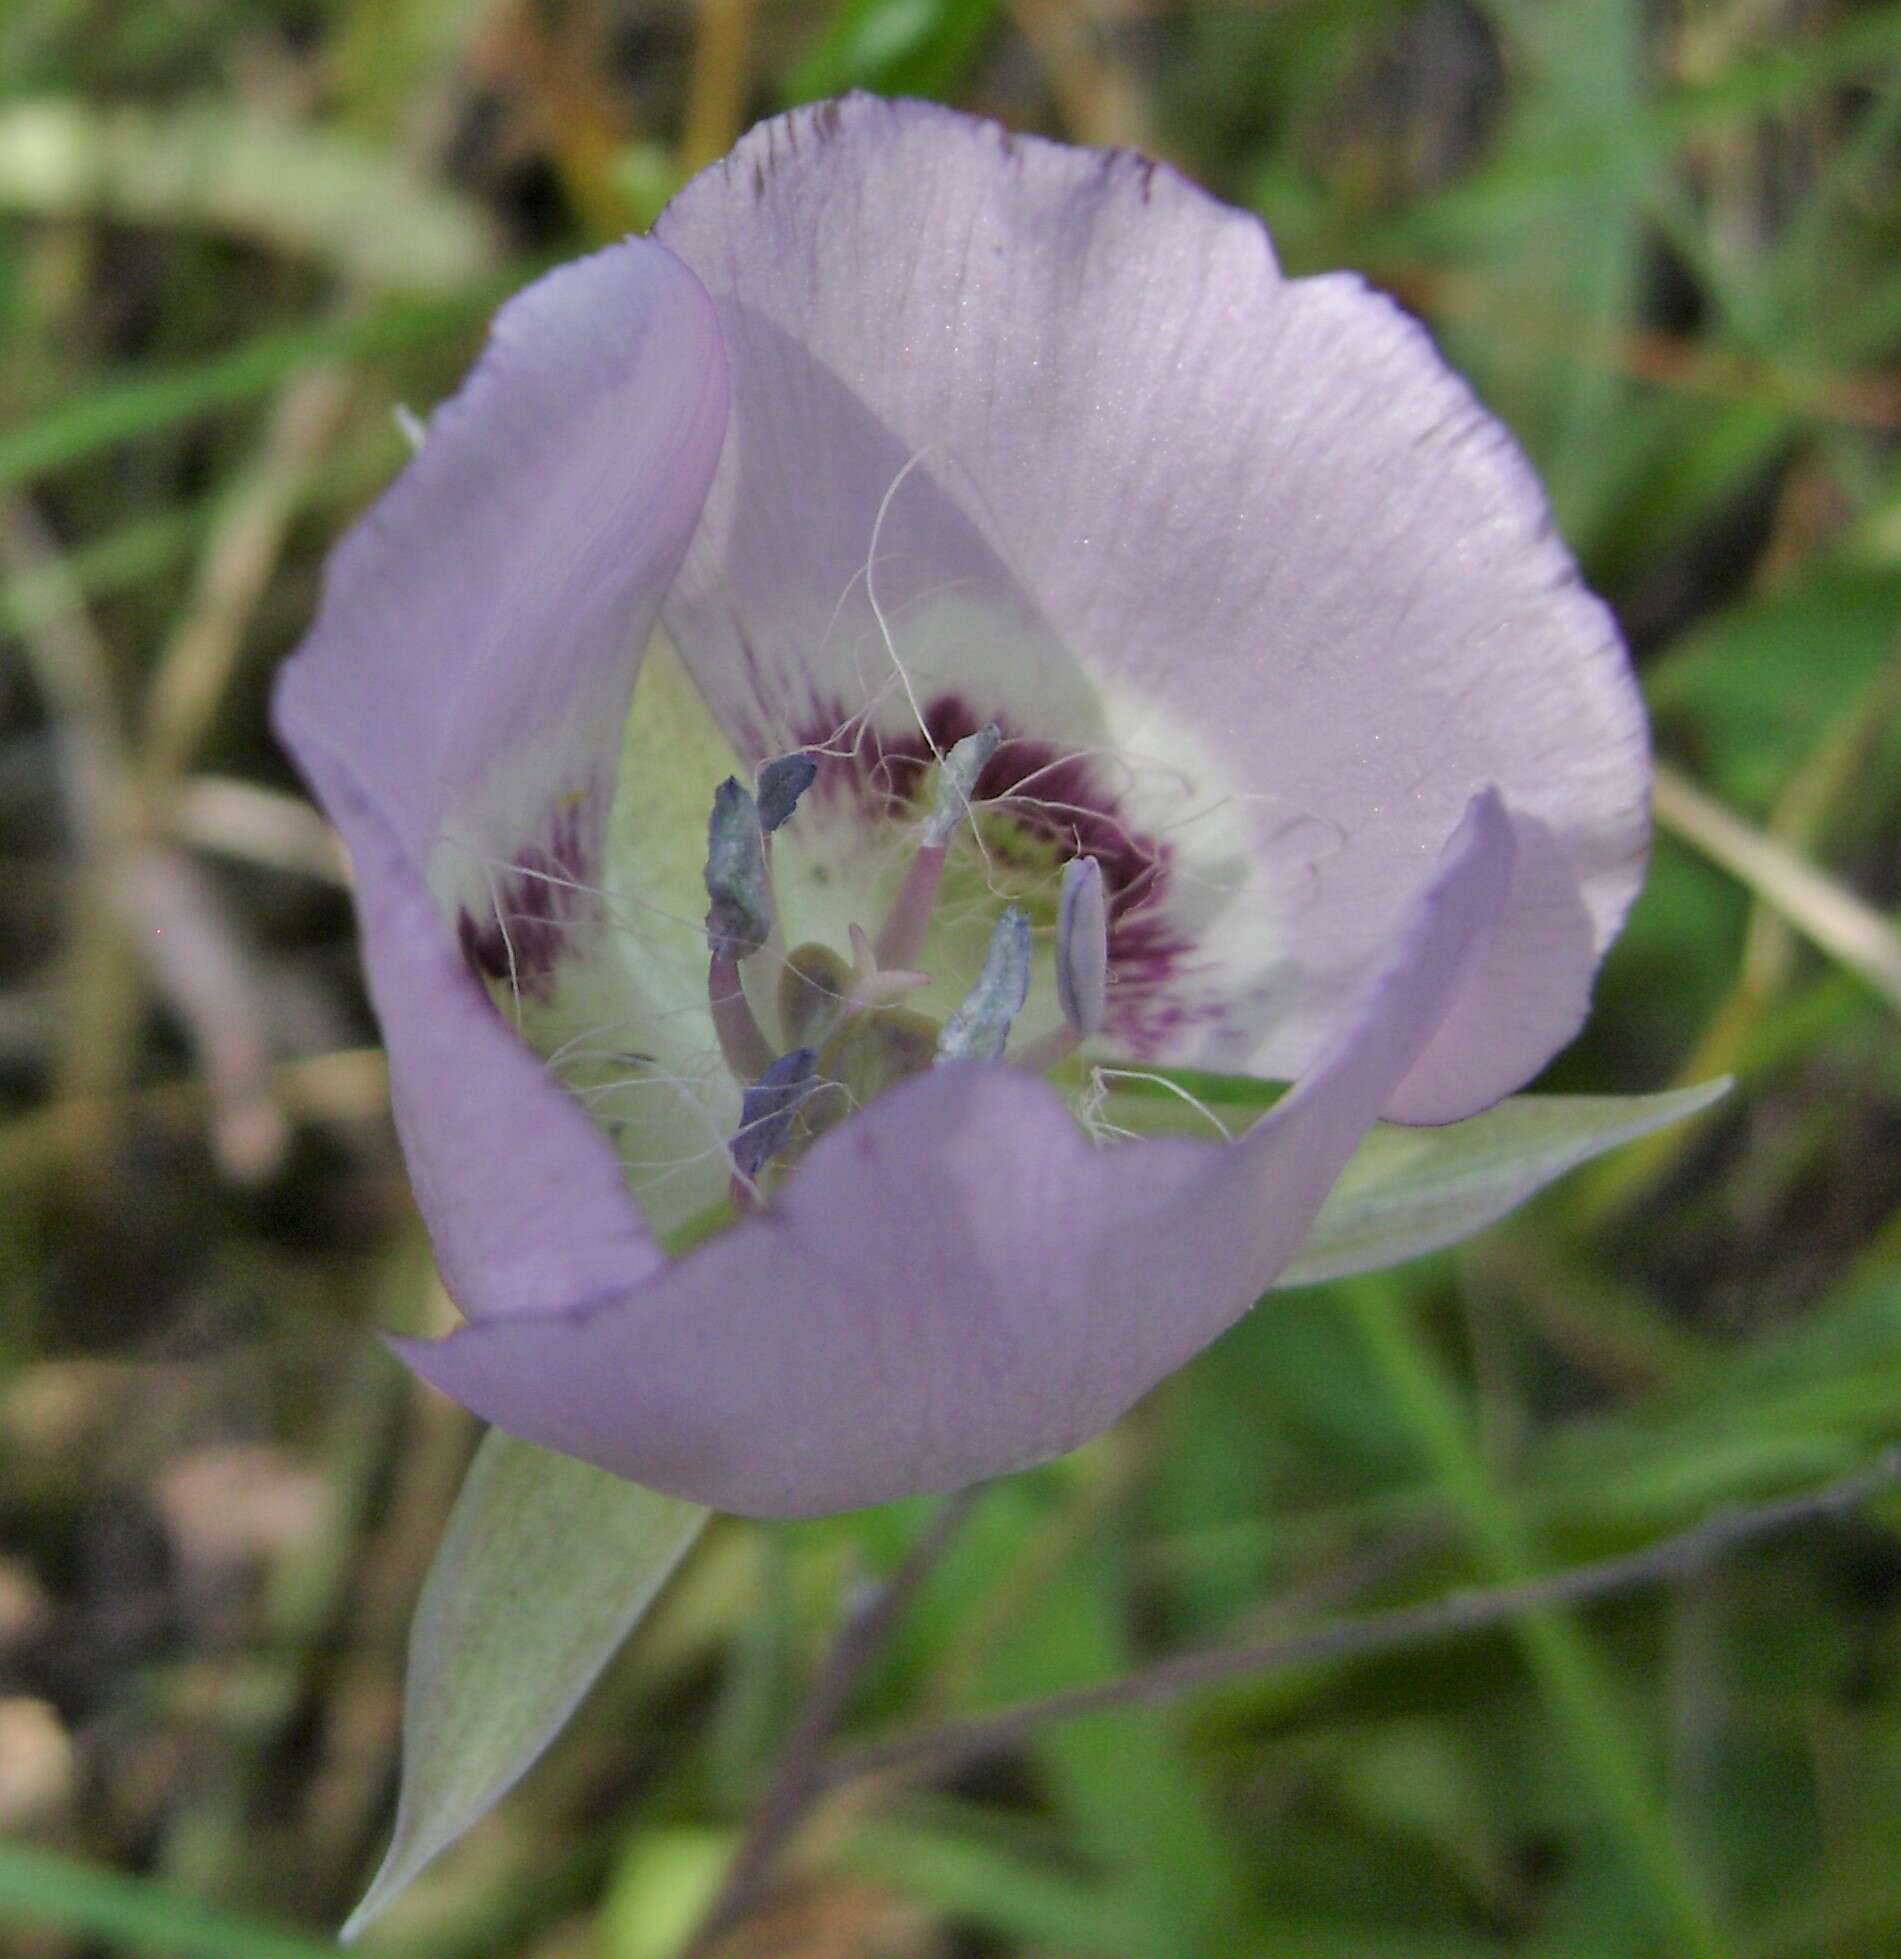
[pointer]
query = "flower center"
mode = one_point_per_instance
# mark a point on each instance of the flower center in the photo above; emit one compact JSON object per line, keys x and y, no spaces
{"x":844,"y":1034}
{"x":857,"y":928}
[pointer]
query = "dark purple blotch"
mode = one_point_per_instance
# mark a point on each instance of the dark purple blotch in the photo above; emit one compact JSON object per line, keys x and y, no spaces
{"x":539,"y":898}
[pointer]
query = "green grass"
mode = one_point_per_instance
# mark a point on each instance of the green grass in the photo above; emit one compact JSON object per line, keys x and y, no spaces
{"x":1661,"y":243}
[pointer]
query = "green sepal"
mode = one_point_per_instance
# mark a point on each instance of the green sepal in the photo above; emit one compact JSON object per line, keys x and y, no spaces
{"x":1411,"y":1191}
{"x":546,"y":1566}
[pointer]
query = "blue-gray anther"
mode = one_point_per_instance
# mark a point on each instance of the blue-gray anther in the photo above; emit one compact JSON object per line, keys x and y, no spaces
{"x":739,"y":920}
{"x":957,"y":782}
{"x":982,"y":1021}
{"x":767,"y":1109}
{"x":779,"y":784}
{"x":1082,"y":945}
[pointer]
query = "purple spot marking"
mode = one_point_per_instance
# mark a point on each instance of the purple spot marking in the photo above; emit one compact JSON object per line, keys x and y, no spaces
{"x":542,"y":896}
{"x":1062,"y":799}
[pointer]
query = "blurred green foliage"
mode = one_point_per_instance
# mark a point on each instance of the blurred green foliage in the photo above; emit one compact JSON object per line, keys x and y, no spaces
{"x":1664,"y":242}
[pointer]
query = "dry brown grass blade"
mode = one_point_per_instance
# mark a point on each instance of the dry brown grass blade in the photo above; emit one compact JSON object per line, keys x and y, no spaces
{"x":1829,"y":915}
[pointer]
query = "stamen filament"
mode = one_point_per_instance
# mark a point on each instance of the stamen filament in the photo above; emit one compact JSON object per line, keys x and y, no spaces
{"x":747,"y":1051}
{"x":1042,"y":1054}
{"x":901,"y":938}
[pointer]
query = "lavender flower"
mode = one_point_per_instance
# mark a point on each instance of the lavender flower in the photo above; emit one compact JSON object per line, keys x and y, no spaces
{"x":1181,"y":630}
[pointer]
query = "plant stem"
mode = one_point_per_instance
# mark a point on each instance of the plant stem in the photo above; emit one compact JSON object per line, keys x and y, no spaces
{"x":800,"y":1776}
{"x":920,"y":1750}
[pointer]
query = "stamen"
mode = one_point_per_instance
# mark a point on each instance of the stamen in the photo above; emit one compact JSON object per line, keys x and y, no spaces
{"x":957,"y":782}
{"x":1082,"y":946}
{"x":739,"y":920}
{"x":767,"y":1109}
{"x":779,"y":784}
{"x":981,"y":1024}
{"x":1082,"y":968}
{"x":903,"y":935}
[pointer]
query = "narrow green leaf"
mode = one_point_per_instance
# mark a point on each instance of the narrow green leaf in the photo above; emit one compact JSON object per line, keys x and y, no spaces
{"x":47,"y":1888}
{"x":1409,"y":1191}
{"x":120,"y":406}
{"x":977,"y":1876}
{"x":1612,"y":1754}
{"x":1564,"y":152}
{"x":125,"y":558}
{"x":545,"y":1568}
{"x":664,"y":1886}
{"x":205,"y":165}
{"x":899,"y":47}
{"x":1726,"y":681}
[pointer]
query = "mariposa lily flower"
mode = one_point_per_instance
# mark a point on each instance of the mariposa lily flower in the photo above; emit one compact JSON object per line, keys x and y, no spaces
{"x":940,"y":628}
